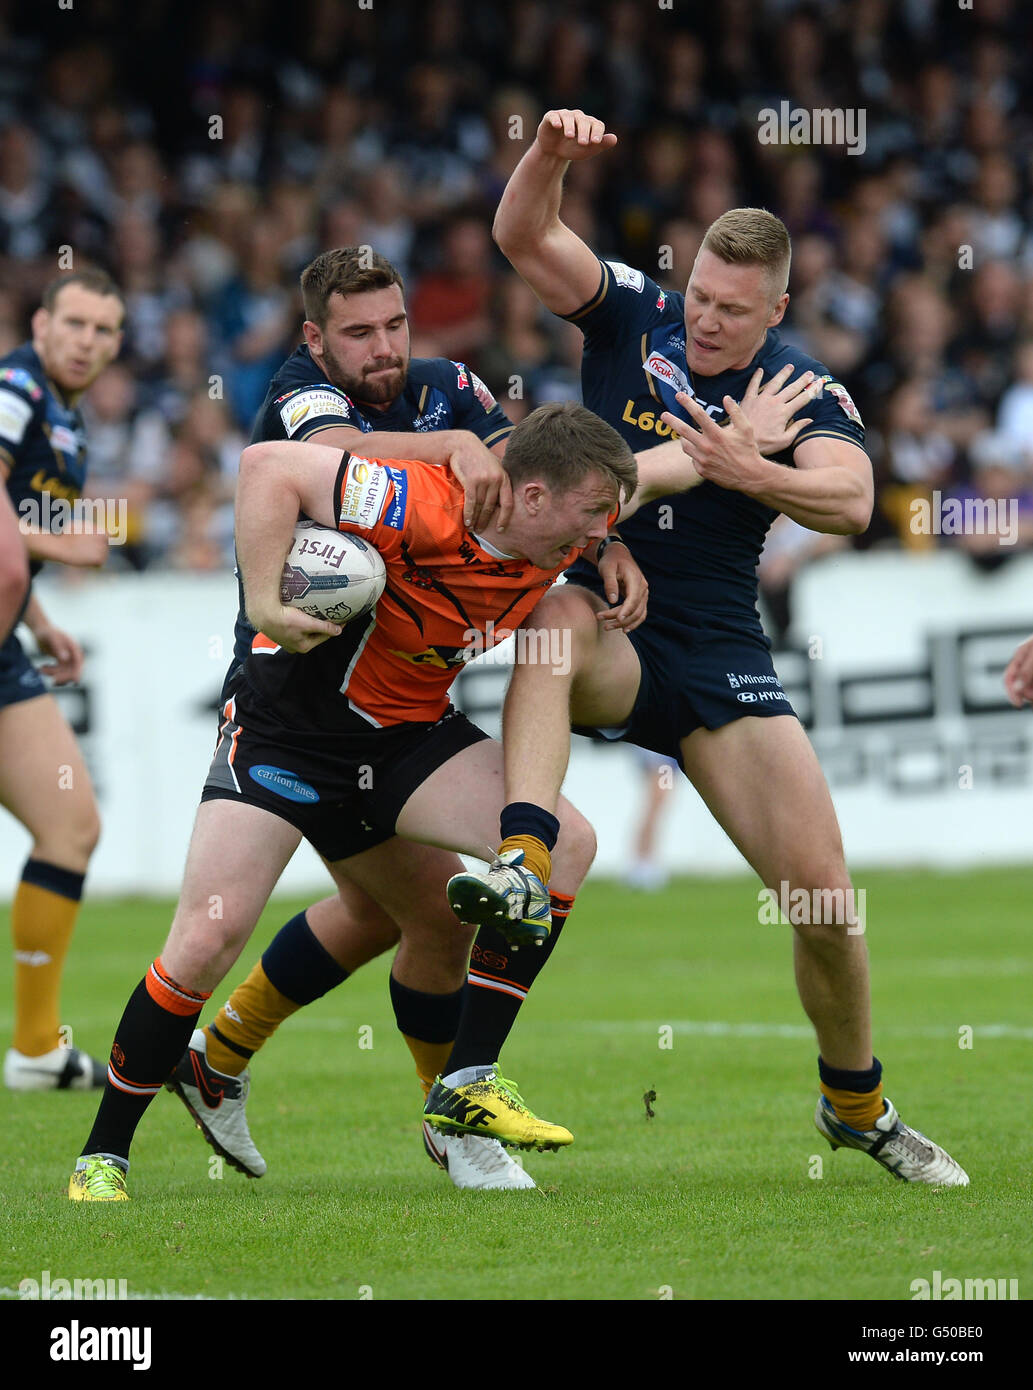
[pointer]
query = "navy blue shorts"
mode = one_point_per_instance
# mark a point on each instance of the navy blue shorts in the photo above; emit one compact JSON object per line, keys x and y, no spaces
{"x":343,"y":790}
{"x":696,"y":677}
{"x":19,"y":679}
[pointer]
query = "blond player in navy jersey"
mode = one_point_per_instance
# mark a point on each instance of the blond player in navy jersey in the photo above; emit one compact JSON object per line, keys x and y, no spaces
{"x":696,"y":680}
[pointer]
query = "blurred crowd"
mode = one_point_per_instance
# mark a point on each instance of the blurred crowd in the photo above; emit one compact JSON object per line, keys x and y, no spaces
{"x":205,"y":161}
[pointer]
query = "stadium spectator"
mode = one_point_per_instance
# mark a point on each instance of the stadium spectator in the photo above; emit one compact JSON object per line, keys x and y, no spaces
{"x":449,"y":306}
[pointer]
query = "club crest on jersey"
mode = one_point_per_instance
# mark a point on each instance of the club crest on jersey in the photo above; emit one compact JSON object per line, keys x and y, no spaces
{"x":626,"y":276}
{"x":843,"y":399}
{"x":462,"y":380}
{"x":661,"y":300}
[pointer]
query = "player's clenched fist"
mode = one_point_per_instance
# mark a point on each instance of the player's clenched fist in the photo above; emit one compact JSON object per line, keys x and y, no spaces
{"x":573,"y":135}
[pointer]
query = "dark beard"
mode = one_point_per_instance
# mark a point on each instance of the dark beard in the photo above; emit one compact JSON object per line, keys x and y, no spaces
{"x":361,"y":388}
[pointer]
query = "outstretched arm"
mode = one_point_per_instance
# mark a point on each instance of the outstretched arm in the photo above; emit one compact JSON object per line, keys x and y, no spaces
{"x":555,"y":262}
{"x":829,"y":490}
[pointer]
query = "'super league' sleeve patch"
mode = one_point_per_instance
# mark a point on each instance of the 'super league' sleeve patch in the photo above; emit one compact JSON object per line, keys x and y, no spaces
{"x":364,"y":493}
{"x":843,"y":399}
{"x":626,"y":276}
{"x":15,"y":414}
{"x":314,"y":404}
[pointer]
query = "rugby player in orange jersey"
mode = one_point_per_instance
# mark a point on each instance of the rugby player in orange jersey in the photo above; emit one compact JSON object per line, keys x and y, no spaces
{"x":359,"y":729}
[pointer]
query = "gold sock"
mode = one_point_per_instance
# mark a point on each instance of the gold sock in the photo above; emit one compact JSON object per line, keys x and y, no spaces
{"x":253,"y":1013}
{"x":41,"y":924}
{"x":430,"y":1059}
{"x":536,"y":857}
{"x":858,"y":1109}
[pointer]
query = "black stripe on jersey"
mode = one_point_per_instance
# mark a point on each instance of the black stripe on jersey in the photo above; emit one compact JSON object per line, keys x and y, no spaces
{"x":600,"y":295}
{"x":406,"y":608}
{"x":441,"y":588}
{"x":827,"y":433}
{"x":508,"y":606}
{"x":339,"y":485}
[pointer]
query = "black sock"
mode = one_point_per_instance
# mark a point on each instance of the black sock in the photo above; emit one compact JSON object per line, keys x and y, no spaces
{"x":432,"y":1018}
{"x":497,"y":986}
{"x":298,"y":964}
{"x":151,"y":1037}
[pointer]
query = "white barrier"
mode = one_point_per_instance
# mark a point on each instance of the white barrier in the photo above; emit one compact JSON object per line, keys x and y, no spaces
{"x":897,"y":670}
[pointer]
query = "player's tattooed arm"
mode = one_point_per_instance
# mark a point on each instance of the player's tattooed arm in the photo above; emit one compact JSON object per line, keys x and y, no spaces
{"x":555,"y":262}
{"x":278,"y":481}
{"x":830,"y":489}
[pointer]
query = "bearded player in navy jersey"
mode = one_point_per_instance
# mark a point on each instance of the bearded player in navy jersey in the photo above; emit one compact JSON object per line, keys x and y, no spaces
{"x":696,"y":680}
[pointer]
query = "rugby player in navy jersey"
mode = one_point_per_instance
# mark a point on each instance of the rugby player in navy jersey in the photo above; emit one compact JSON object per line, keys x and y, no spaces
{"x":44,"y":783}
{"x":695,"y":680}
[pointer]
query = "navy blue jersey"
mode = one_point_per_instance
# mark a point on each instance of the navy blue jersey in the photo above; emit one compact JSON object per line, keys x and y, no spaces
{"x":439,"y":395}
{"x":42,"y":440}
{"x":699,"y":549}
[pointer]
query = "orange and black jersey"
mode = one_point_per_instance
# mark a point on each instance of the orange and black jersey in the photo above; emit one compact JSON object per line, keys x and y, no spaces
{"x":447,"y":597}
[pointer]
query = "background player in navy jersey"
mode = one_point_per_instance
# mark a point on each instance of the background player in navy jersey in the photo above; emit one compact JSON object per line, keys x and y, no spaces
{"x":43,"y":780}
{"x":696,"y":679}
{"x":352,"y":385}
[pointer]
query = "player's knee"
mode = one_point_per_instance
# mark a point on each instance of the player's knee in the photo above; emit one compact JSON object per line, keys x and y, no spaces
{"x":71,"y":838}
{"x":576,"y":844}
{"x":828,"y":911}
{"x":571,"y":616}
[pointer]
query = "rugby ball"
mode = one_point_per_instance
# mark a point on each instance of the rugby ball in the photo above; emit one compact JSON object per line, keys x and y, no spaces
{"x":331,"y":574}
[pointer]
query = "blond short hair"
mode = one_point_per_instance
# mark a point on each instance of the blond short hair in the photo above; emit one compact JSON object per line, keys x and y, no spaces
{"x":752,"y":236}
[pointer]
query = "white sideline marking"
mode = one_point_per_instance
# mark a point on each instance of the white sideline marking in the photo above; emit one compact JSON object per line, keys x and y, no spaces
{"x":715,"y":1028}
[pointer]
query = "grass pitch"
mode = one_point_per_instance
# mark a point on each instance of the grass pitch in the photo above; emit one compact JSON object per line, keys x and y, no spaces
{"x":728,"y":1192}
